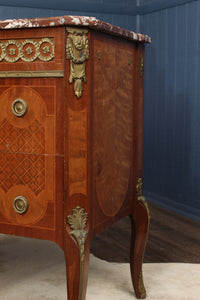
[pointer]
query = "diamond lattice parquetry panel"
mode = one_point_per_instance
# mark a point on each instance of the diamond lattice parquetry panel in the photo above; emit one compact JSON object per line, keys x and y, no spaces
{"x":21,"y":161}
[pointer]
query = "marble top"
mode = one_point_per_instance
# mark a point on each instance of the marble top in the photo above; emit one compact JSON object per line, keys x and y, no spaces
{"x":90,"y":22}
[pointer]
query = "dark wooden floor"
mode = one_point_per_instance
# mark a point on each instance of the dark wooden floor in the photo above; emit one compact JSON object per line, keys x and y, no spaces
{"x":172,"y":238}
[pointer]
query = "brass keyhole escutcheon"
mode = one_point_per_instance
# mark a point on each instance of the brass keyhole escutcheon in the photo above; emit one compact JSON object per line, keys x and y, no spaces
{"x":20,"y":205}
{"x":99,"y":55}
{"x":141,"y":66}
{"x":19,"y":108}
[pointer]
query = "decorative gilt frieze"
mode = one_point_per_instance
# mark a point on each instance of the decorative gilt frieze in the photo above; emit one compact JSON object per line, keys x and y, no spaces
{"x":46,"y":49}
{"x":12,"y":51}
{"x":27,"y":50}
{"x":77,"y":51}
{"x":2,"y":51}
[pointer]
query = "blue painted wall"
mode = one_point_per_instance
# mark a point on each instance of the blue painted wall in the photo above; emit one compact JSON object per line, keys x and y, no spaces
{"x":120,"y":13}
{"x":172,"y":107}
{"x":172,"y":86}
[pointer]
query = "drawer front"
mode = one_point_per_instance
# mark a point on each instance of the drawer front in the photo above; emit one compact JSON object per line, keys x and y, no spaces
{"x":37,"y":52}
{"x":27,"y":153}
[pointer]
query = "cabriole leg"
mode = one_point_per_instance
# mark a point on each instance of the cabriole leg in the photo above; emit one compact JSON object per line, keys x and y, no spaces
{"x":77,"y":251}
{"x":140,"y":228}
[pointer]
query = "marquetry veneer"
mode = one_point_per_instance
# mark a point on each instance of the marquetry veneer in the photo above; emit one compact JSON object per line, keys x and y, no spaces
{"x":71,"y":132}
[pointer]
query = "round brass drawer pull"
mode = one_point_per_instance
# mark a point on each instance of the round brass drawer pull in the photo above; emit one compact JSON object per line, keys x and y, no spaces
{"x":20,"y":205}
{"x":19,"y":107}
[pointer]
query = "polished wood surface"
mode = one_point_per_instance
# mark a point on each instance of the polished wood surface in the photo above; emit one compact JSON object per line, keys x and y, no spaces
{"x":172,"y":238}
{"x":28,"y":156}
{"x":76,"y":159}
{"x":56,"y":34}
{"x":112,"y":128}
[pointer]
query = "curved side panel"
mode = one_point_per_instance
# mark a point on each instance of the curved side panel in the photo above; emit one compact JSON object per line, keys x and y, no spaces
{"x":112,"y":123}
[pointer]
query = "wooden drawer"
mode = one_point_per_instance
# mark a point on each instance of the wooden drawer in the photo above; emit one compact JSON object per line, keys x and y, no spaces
{"x":27,"y":152}
{"x":38,"y":51}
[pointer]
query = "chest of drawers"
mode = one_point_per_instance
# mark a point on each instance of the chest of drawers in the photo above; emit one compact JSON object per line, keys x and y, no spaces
{"x":71,"y":132}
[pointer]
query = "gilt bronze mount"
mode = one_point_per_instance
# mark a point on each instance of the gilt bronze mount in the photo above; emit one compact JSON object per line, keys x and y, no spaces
{"x":77,"y":51}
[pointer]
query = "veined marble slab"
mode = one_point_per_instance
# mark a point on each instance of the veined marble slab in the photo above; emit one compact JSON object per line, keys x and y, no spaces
{"x":90,"y":22}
